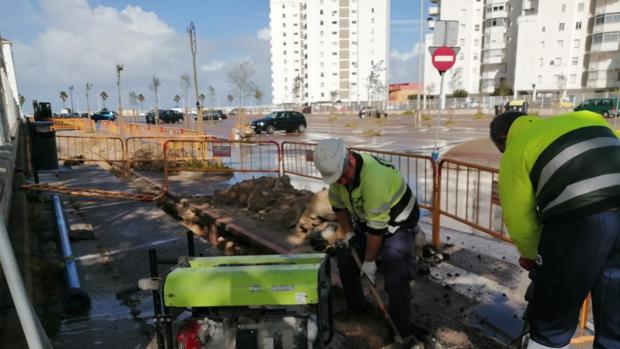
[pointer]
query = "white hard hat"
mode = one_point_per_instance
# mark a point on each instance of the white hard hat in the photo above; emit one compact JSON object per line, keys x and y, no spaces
{"x":330,"y":156}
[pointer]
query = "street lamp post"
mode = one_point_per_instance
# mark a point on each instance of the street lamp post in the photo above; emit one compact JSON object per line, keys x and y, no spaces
{"x":191,"y":30}
{"x":119,"y":68}
{"x":71,"y":96}
{"x":533,"y":92}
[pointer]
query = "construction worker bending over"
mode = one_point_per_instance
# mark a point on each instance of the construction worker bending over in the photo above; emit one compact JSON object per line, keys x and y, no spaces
{"x":559,"y":186}
{"x":379,"y":212}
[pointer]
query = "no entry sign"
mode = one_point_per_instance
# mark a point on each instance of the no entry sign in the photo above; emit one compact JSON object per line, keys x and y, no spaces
{"x":443,"y":58}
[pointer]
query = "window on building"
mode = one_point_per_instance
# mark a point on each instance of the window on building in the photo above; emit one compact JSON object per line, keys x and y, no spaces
{"x":283,"y":6}
{"x":578,"y":25}
{"x":321,"y":22}
{"x":574,"y":60}
{"x":372,"y":10}
{"x":558,"y":60}
{"x":540,"y":62}
{"x":539,"y":79}
{"x":322,"y":94}
{"x":542,"y":45}
{"x":576,"y":43}
{"x":561,"y":27}
{"x":580,"y":7}
{"x":477,"y":27}
{"x":563,"y":8}
{"x":284,"y":15}
{"x":283,"y":24}
{"x":353,"y":22}
{"x":560,"y":43}
{"x":476,"y":42}
{"x":543,"y":29}
{"x":462,"y":42}
{"x":321,"y":12}
{"x":334,"y":53}
{"x":461,"y":56}
{"x":334,"y":33}
{"x":572,"y":78}
{"x":475,"y":57}
{"x":285,"y":52}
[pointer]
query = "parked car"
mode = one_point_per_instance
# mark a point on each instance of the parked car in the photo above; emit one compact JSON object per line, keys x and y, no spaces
{"x":368,"y":112}
{"x":213,"y":115}
{"x":165,"y":116}
{"x":288,"y":121}
{"x":105,"y":115}
{"x":603,"y":106}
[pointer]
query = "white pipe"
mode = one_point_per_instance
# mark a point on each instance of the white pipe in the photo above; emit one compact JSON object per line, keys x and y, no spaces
{"x":29,"y":321}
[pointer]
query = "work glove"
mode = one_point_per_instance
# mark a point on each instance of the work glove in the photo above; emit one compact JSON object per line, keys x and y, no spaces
{"x":369,"y":269}
{"x":526,"y":263}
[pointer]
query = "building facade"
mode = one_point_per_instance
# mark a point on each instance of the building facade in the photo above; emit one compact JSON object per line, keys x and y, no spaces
{"x":531,"y":46}
{"x":9,"y":96}
{"x":329,"y":50}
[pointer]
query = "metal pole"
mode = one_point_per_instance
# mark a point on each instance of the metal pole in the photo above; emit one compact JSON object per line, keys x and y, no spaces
{"x":420,"y":51}
{"x":617,"y":110}
{"x":75,"y":299}
{"x":30,"y":323}
{"x":435,"y":154}
{"x":119,"y":68}
{"x":192,"y":43}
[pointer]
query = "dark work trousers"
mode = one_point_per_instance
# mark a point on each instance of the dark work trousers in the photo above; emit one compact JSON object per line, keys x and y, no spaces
{"x":396,"y":261}
{"x":579,"y":255}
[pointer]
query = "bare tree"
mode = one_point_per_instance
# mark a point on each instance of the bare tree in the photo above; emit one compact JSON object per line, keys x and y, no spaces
{"x":240,"y":77}
{"x":212,"y":93}
{"x":154,"y":86}
{"x":63,"y":96}
{"x":375,"y":82}
{"x":104,"y":96}
{"x":258,"y":95}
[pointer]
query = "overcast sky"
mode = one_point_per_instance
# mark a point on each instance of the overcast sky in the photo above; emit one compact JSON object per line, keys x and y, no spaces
{"x":62,"y":43}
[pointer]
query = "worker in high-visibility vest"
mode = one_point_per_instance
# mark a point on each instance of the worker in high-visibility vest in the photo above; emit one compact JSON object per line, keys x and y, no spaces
{"x":379,"y":212}
{"x":559,"y":187}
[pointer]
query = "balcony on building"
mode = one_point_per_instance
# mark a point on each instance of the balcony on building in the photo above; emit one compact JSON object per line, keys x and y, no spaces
{"x":602,"y":78}
{"x":493,"y":56}
{"x":605,"y":42}
{"x":606,"y":22}
{"x":433,"y":10}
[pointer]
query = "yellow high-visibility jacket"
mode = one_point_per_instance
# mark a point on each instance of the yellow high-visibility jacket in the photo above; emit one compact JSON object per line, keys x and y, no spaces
{"x":562,"y":166}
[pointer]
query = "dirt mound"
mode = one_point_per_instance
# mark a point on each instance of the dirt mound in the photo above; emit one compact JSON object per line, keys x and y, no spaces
{"x":272,"y":198}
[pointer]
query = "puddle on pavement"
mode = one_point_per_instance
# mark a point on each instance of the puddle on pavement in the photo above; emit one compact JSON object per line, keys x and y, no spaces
{"x":497,"y":319}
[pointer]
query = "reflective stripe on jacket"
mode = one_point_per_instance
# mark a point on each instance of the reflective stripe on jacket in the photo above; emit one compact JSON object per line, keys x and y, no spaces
{"x":379,"y":198}
{"x":564,"y":165}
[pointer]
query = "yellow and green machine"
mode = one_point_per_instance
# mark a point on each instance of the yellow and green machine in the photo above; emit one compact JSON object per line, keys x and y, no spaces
{"x":252,"y":301}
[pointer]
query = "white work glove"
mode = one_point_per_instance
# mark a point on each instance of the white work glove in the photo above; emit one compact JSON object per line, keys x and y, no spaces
{"x":348,"y":236}
{"x":369,"y":269}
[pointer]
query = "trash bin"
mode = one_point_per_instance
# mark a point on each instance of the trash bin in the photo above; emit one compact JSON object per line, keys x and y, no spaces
{"x":43,"y":145}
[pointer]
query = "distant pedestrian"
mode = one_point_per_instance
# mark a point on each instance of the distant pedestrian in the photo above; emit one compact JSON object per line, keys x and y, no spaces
{"x":379,"y":212}
{"x":559,"y":186}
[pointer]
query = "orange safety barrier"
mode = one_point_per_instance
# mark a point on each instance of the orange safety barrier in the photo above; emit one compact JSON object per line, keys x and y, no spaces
{"x":72,"y":124}
{"x":468,"y":193}
{"x":90,"y":148}
{"x":297,"y":159}
{"x":220,"y":156}
{"x":144,"y":130}
{"x":149,"y":148}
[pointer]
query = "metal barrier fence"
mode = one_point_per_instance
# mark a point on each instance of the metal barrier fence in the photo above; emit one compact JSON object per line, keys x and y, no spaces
{"x":73,"y":124}
{"x":147,"y":149}
{"x":220,"y":156}
{"x":90,"y":148}
{"x":468,"y":193}
{"x":418,"y":171}
{"x":141,"y":130}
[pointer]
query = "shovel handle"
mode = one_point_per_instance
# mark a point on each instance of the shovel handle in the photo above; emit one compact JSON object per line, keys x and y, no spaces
{"x":377,"y":297}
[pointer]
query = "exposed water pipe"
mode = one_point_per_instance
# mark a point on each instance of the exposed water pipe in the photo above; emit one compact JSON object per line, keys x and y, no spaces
{"x":35,"y":336}
{"x":75,"y":299}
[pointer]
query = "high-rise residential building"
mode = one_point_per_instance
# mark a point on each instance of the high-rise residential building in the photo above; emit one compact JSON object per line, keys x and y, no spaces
{"x":531,"y":46}
{"x":329,"y":50}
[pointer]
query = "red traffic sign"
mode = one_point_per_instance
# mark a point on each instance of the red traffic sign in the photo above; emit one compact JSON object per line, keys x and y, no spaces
{"x":443,"y":58}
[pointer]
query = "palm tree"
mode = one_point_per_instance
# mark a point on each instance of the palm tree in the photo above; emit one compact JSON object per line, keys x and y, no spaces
{"x":202,"y":98}
{"x":22,"y":100}
{"x":258,"y":95}
{"x":63,"y":96}
{"x":177,"y":99}
{"x":154,"y":85}
{"x":104,"y":96}
{"x":230,"y":99}
{"x":141,"y":99}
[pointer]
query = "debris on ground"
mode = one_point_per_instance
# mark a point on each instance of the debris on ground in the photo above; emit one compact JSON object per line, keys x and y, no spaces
{"x":75,"y":161}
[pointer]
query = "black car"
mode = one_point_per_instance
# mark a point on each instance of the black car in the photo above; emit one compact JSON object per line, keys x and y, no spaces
{"x":213,"y":115}
{"x":165,"y":116}
{"x":288,"y":121}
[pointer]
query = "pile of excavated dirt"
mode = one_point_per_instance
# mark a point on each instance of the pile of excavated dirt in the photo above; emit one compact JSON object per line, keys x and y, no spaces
{"x":269,"y":198}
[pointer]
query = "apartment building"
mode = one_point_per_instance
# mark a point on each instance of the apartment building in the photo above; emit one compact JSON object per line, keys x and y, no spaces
{"x":326,"y":50}
{"x":531,"y":46}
